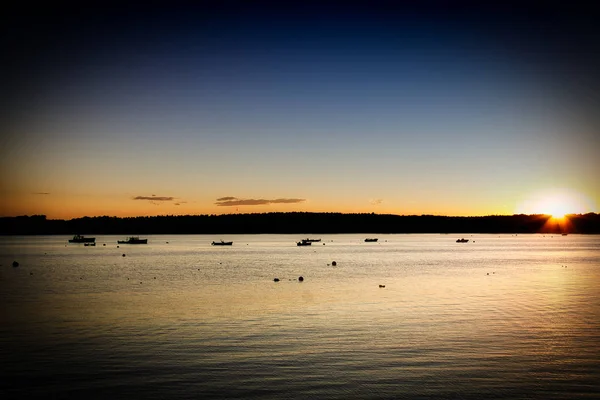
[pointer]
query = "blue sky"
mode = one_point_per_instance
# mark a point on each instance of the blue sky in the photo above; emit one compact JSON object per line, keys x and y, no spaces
{"x":438,"y":110}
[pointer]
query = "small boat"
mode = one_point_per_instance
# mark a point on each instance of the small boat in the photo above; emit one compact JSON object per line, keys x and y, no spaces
{"x":564,"y":234}
{"x":303,"y":243}
{"x":463,"y":240}
{"x":371,"y":239}
{"x":89,"y":244}
{"x":221,"y":243}
{"x":133,"y":240}
{"x":82,"y":239}
{"x":311,"y":240}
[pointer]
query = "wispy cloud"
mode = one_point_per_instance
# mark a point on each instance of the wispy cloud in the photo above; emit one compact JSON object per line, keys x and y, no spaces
{"x":40,"y":193}
{"x":234,"y":201}
{"x":154,"y":198}
{"x":376,"y":201}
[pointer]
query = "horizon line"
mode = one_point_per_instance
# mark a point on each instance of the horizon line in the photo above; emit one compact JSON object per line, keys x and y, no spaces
{"x":298,"y":212}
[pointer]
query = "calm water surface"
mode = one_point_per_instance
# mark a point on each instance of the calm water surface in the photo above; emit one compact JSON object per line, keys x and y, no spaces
{"x":500,"y":317}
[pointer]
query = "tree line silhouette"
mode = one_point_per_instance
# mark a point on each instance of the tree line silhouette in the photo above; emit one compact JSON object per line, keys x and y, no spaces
{"x":299,"y":222}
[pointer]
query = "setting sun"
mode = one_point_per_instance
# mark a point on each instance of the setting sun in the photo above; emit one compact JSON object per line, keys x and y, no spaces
{"x":557,"y":207}
{"x":557,"y":203}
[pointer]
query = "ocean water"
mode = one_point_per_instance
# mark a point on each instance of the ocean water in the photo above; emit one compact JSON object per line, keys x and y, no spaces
{"x":499,"y":317}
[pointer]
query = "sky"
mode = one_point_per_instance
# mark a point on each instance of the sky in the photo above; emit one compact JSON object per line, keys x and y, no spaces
{"x":445,"y":108}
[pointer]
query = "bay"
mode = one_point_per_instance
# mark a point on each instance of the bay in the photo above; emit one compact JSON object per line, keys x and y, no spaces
{"x":502,"y":316}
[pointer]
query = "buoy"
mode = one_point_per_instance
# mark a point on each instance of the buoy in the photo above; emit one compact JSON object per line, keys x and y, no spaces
{"x":103,"y":244}
{"x":276,"y":280}
{"x":15,"y":264}
{"x":381,"y":286}
{"x":31,"y":273}
{"x":301,"y":279}
{"x":117,"y":247}
{"x":333,"y":263}
{"x":123,"y":254}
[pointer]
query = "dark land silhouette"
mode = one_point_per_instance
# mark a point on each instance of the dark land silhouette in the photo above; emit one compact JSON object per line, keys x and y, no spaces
{"x":300,"y":222}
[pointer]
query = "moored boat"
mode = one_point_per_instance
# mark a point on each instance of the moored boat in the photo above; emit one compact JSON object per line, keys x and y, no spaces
{"x":463,"y":240}
{"x":222,"y":243}
{"x":371,"y":239}
{"x":133,"y":240}
{"x":82,"y":239}
{"x":303,"y":243}
{"x":311,"y":240}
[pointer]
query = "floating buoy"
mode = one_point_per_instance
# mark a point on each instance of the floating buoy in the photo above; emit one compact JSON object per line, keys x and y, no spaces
{"x":117,"y":247}
{"x":381,"y":286}
{"x":31,"y":273}
{"x":276,"y":280}
{"x":301,"y":279}
{"x":333,"y":263}
{"x":15,"y":264}
{"x":103,"y":244}
{"x":123,"y":254}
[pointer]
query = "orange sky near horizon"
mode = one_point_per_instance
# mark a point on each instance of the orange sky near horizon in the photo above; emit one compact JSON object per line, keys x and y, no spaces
{"x":57,"y":206}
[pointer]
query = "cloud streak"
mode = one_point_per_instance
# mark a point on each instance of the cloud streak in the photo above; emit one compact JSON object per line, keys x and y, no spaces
{"x":234,"y":201}
{"x":154,"y":198}
{"x":40,"y":193}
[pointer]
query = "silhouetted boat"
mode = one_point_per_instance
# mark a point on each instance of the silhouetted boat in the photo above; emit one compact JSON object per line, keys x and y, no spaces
{"x":303,"y":243}
{"x":221,"y":243}
{"x":82,"y":239}
{"x":311,"y":240}
{"x":371,"y":239}
{"x":133,"y":240}
{"x":564,"y":234}
{"x":463,"y":240}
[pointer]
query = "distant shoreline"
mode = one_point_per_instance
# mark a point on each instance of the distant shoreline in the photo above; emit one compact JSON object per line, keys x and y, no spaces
{"x":300,"y":222}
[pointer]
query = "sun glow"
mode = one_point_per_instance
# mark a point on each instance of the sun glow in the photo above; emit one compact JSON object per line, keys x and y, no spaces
{"x":557,"y":203}
{"x":556,"y":207}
